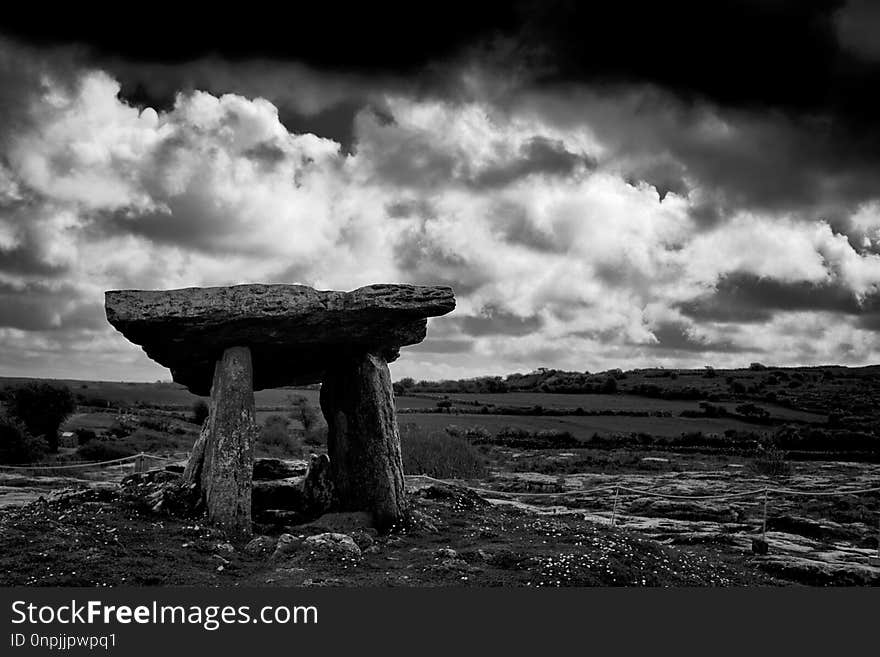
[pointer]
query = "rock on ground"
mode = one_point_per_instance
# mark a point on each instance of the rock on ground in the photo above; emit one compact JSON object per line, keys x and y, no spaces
{"x":268,"y":469}
{"x":333,"y":544}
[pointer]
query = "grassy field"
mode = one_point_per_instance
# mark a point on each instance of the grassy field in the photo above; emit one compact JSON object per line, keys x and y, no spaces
{"x":126,"y":393}
{"x":592,"y":402}
{"x":581,"y":428}
{"x":634,"y":409}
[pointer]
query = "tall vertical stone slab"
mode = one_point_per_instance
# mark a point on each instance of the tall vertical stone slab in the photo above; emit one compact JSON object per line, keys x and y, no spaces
{"x":222,"y":460}
{"x":363,"y":441}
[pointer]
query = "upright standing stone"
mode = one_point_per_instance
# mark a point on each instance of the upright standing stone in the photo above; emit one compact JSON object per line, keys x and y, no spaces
{"x":362,"y":438}
{"x":222,"y":459}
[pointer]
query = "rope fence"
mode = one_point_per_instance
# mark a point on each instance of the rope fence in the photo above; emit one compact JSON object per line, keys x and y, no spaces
{"x":139,"y":460}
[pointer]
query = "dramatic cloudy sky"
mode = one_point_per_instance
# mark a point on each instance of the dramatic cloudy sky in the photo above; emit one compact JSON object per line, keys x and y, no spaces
{"x":673,"y":184}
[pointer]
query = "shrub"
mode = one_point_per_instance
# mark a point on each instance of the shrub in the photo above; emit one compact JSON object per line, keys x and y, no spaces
{"x":440,"y":454}
{"x":42,"y":408}
{"x":84,"y":436}
{"x":275,"y":437}
{"x":17,"y":445}
{"x":121,"y":428}
{"x":200,"y":412}
{"x":738,"y":387}
{"x":155,"y":424}
{"x":753,"y":412}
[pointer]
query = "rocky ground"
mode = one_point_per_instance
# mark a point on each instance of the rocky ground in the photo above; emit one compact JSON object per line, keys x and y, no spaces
{"x":107,"y":537}
{"x":520,"y":529}
{"x":812,"y":538}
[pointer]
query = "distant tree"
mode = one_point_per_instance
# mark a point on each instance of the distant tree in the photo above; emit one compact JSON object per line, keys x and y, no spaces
{"x":757,"y":367}
{"x":42,"y":408}
{"x":609,"y":386}
{"x":710,"y":372}
{"x":711,"y":410}
{"x":17,"y":445}
{"x":752,"y":411}
{"x":84,"y":436}
{"x":200,"y":412}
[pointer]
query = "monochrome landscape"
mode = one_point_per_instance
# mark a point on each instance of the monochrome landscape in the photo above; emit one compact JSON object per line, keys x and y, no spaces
{"x":549,"y":294}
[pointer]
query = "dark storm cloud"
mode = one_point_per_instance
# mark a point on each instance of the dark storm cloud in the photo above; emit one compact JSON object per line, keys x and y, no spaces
{"x":412,"y":161}
{"x":38,"y":307}
{"x":416,"y":160}
{"x":443,"y":346}
{"x":674,"y":337}
{"x":448,"y":176}
{"x":26,"y":259}
{"x":802,"y":55}
{"x":734,"y":158}
{"x":537,"y":156}
{"x":798,"y":75}
{"x":496,"y":322}
{"x":425,"y":263}
{"x":513,"y":224}
{"x":858,"y":24}
{"x":390,"y":36}
{"x":267,"y":153}
{"x":308,"y":102}
{"x":741,"y":297}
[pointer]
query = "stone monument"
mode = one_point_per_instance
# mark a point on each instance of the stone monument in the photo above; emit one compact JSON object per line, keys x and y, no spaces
{"x":230,"y":341}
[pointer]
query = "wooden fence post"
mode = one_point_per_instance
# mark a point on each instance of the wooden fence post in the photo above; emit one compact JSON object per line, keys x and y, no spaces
{"x":614,"y":508}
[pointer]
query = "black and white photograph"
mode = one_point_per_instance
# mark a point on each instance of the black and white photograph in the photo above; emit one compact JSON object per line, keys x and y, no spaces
{"x":536,"y":294}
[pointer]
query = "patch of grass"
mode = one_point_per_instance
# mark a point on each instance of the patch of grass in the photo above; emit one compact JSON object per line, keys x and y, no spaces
{"x":439,"y":454}
{"x":104,"y":450}
{"x":277,"y":439}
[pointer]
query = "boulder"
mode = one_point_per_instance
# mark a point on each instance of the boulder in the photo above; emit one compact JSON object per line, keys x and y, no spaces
{"x":332,"y":545}
{"x":318,"y":486}
{"x":293,"y":331}
{"x":260,"y":545}
{"x":267,"y":469}
{"x":364,"y":538}
{"x":287,"y":544}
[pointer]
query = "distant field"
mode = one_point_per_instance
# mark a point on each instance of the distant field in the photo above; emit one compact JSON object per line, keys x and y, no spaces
{"x":159,"y":394}
{"x":269,"y":402}
{"x":595,"y":403}
{"x":580,"y":427}
{"x":402,"y":401}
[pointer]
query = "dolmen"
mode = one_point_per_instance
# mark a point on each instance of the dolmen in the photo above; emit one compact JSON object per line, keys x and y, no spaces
{"x":230,"y":341}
